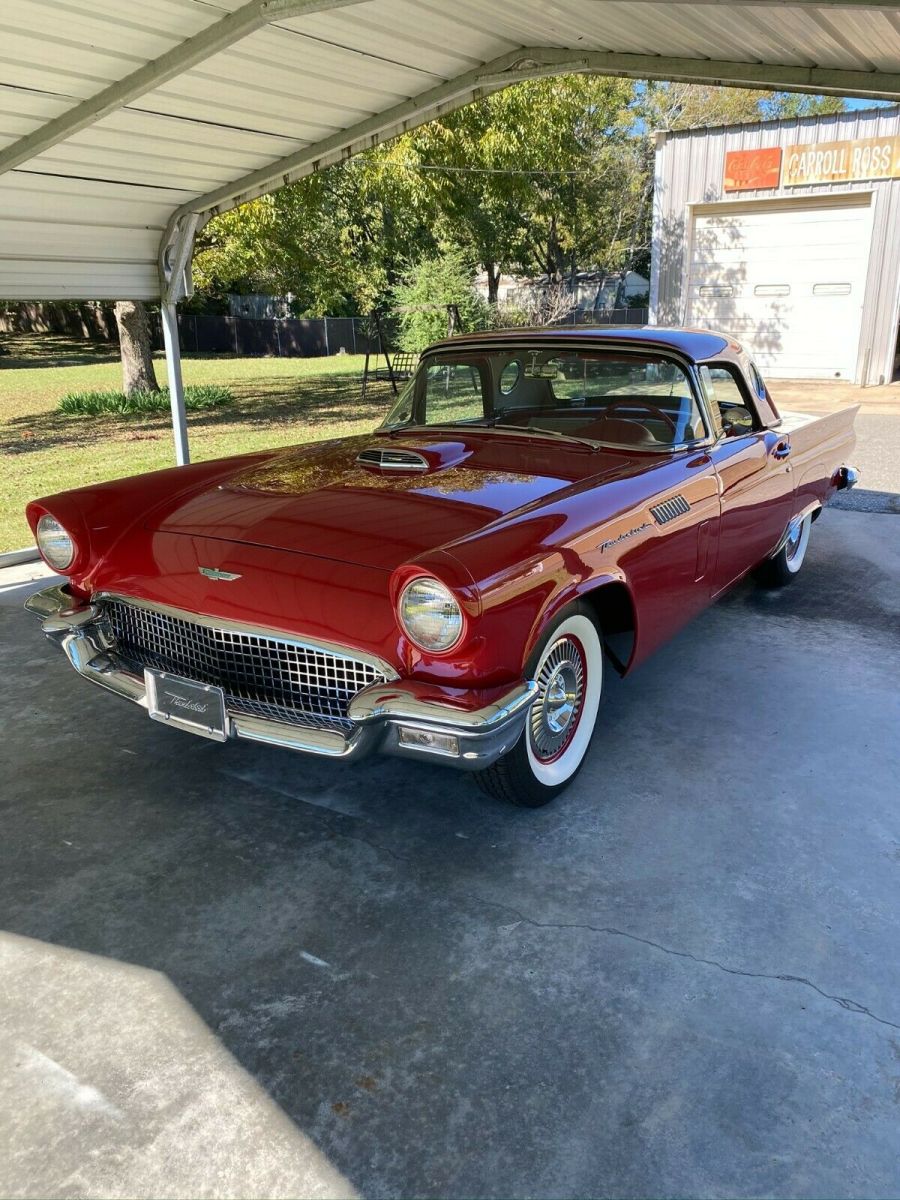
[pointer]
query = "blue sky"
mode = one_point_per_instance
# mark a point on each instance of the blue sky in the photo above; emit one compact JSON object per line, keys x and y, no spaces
{"x":854,"y":103}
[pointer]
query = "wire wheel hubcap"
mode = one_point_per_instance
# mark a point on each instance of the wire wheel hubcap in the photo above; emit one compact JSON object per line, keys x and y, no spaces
{"x":556,"y":711}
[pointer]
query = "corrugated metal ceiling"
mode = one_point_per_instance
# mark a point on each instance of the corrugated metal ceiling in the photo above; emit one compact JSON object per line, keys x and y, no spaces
{"x":83,"y":215}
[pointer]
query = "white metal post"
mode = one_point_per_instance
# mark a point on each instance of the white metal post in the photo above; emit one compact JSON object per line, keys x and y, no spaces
{"x":176,"y":384}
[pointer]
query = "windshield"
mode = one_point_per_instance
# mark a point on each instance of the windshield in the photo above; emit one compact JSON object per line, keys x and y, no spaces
{"x":611,"y":397}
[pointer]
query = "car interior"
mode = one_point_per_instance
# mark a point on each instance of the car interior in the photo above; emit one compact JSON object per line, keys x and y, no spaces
{"x":634,"y":400}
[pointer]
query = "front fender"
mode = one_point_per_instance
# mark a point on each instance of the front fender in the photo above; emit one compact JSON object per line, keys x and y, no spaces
{"x":587,"y":590}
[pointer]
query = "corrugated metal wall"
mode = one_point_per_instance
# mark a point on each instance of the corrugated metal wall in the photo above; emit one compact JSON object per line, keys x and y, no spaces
{"x":689,"y":171}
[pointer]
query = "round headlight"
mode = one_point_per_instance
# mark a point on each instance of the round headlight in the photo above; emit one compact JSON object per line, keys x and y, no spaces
{"x":54,"y":543}
{"x":430,"y":615}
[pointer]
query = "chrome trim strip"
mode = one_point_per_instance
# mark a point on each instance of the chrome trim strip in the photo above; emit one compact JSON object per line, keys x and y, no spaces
{"x":281,"y":635}
{"x":523,"y":432}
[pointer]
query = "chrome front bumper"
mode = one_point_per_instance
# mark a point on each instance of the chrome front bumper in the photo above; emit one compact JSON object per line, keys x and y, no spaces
{"x":379,"y":713}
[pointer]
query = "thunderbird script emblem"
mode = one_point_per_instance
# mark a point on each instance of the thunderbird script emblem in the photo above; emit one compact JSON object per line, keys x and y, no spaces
{"x":215,"y":573}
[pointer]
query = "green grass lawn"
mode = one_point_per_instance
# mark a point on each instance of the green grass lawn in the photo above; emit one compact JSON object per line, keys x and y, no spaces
{"x":278,"y":402}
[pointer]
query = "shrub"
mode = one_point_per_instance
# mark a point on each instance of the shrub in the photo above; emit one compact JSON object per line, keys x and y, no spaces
{"x":91,"y":404}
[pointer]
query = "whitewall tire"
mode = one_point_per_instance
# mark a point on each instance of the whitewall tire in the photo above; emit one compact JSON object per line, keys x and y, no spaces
{"x":568,"y":669}
{"x":782,"y":567}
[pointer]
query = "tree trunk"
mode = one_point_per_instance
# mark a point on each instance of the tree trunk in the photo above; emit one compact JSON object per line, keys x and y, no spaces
{"x":493,"y":281}
{"x":138,"y":374}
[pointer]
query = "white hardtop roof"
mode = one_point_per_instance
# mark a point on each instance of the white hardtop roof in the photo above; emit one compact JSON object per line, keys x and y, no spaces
{"x":123,"y":127}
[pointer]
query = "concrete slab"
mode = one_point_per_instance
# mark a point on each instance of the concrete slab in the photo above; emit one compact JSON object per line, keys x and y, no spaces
{"x":19,"y":580}
{"x":231,"y":971}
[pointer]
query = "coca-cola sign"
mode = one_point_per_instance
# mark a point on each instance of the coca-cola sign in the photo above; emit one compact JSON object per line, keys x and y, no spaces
{"x":752,"y":170}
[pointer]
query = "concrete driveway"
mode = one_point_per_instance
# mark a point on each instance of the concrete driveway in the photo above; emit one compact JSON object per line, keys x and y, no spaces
{"x":230,"y":971}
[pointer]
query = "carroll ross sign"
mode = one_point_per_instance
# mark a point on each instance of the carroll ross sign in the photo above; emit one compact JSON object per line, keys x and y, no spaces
{"x":841,"y":162}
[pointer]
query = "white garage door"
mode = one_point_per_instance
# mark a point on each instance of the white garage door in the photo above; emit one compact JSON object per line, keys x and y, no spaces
{"x":786,"y":279}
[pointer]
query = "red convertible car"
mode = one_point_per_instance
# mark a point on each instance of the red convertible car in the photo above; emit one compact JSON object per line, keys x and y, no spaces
{"x":537,"y":505}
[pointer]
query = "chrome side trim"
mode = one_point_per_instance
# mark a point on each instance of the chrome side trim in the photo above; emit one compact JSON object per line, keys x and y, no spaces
{"x":221,"y":623}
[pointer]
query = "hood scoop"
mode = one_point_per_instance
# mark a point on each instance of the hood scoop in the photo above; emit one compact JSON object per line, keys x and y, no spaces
{"x":391,"y":459}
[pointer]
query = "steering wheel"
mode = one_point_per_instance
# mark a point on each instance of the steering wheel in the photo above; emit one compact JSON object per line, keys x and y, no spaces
{"x":650,"y":408}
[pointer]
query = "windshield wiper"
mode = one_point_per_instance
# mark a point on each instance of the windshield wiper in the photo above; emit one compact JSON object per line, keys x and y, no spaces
{"x":569,"y":437}
{"x":492,"y":423}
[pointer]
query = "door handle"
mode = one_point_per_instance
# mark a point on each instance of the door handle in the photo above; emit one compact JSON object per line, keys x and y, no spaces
{"x":782,"y":450}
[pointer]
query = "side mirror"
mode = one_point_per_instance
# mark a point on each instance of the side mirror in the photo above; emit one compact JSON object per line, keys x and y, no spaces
{"x":736,"y":419}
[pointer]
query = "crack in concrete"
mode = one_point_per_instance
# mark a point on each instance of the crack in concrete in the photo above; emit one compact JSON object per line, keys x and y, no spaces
{"x":611,"y":931}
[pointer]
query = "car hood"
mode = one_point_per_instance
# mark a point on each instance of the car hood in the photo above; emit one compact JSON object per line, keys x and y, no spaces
{"x":320,"y":500}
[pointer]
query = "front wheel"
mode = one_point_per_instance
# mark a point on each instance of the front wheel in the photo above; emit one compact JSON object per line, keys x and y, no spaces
{"x":782,"y":567}
{"x":568,"y":669}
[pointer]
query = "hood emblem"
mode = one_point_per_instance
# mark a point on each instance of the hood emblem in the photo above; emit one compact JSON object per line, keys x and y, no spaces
{"x":215,"y":573}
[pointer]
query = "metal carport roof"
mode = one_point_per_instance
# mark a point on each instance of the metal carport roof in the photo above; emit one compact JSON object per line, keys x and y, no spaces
{"x":114,"y":118}
{"x":124,"y":127}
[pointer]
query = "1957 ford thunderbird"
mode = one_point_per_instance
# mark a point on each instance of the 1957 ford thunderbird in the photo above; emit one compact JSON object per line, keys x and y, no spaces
{"x":539,"y":505}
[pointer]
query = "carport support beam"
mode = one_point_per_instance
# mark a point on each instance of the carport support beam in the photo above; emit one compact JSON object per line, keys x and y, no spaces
{"x":176,"y":383}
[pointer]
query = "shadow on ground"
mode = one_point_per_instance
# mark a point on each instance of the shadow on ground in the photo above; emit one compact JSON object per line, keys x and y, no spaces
{"x":309,"y":403}
{"x":52,"y":350}
{"x":681,"y":979}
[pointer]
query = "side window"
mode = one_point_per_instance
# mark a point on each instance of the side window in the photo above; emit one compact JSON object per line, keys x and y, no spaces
{"x":452,"y":392}
{"x":727,"y":401}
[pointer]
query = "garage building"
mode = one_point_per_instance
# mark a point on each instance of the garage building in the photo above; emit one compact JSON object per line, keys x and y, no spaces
{"x":785,"y":234}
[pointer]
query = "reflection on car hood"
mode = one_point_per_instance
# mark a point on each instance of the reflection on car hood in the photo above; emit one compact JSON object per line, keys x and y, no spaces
{"x":319,"y":500}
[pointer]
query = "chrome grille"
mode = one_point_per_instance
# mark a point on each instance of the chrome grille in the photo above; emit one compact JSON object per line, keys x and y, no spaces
{"x":261,"y":675}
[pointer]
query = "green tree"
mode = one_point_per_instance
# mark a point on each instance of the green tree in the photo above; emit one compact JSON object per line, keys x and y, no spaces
{"x":336,"y":240}
{"x":422,"y":297}
{"x":694,"y":105}
{"x":535,"y":178}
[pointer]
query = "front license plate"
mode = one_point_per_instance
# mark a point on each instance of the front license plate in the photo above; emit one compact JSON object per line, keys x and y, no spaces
{"x":196,"y":707}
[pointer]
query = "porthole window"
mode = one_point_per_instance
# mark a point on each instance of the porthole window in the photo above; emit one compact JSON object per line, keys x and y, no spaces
{"x":510,"y":376}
